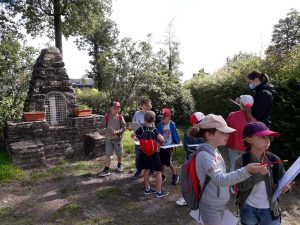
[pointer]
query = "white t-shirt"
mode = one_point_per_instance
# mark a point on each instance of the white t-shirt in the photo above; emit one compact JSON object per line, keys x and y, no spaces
{"x":167,"y":134}
{"x":258,"y":197}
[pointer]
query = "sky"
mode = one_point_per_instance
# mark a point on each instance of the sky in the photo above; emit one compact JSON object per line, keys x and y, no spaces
{"x":208,"y":31}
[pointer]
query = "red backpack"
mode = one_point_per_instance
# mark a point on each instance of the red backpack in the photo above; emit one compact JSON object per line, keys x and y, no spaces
{"x":148,"y":142}
{"x":191,"y":189}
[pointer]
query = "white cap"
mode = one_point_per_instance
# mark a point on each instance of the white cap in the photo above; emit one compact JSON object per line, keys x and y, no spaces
{"x":246,"y":100}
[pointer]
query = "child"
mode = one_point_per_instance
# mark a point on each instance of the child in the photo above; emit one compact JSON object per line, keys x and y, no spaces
{"x":151,"y":162}
{"x":209,"y":162}
{"x":238,"y":120}
{"x":195,"y":120}
{"x":117,"y":124}
{"x":168,"y":129}
{"x":255,"y":193}
{"x":138,"y":117}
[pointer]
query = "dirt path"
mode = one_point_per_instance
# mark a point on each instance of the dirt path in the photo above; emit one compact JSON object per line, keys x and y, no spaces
{"x":73,"y":197}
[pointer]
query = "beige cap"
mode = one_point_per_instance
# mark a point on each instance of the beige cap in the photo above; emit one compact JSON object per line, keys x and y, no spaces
{"x":215,"y":121}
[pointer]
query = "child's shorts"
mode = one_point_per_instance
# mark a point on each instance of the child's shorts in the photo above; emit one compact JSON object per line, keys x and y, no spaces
{"x":151,"y":162}
{"x":165,"y":156}
{"x":111,"y":146}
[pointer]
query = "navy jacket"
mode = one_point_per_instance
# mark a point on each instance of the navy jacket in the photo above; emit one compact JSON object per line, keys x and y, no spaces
{"x":263,"y":98}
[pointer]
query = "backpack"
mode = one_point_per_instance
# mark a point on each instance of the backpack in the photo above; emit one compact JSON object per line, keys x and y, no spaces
{"x":191,"y":189}
{"x":148,"y":143}
{"x":107,"y":118}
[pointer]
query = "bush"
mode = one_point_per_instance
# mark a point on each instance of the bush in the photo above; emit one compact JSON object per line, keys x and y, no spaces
{"x":94,"y":99}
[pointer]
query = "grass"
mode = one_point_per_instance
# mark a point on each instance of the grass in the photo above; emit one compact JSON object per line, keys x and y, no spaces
{"x":9,"y":172}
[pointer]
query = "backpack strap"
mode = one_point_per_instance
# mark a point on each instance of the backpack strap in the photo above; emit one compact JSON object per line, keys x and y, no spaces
{"x":107,"y":118}
{"x":274,"y":167}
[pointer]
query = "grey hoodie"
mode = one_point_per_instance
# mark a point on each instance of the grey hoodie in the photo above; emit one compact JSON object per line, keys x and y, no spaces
{"x":210,"y":162}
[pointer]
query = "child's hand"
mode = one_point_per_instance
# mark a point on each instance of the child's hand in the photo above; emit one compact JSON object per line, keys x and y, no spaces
{"x":257,"y":167}
{"x":288,"y":187}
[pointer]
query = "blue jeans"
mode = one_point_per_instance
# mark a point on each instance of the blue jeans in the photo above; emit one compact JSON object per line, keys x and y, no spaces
{"x":138,"y":158}
{"x":253,"y":216}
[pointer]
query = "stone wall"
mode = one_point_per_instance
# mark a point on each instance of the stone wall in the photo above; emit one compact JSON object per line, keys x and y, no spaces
{"x":35,"y":144}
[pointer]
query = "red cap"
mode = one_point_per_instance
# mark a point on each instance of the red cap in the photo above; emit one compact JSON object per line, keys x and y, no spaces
{"x":196,"y":117}
{"x":165,"y":112}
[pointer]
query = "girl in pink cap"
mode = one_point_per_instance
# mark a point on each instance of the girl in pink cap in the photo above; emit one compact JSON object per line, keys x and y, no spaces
{"x":255,"y":193}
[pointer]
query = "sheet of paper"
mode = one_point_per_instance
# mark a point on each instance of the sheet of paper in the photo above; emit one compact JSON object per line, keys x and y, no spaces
{"x":194,"y":145}
{"x":289,"y":175}
{"x":170,"y":146}
{"x":228,"y":219}
{"x":107,"y":132}
{"x":137,"y":142}
{"x":134,"y":126}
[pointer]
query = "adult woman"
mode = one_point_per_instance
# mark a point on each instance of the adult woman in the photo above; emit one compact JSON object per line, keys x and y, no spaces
{"x":263,"y":97}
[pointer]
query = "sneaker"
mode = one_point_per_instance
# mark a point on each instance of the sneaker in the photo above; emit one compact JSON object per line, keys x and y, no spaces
{"x":175,"y":179}
{"x":136,"y":175}
{"x":120,"y":167}
{"x":161,"y":194}
{"x":104,"y":173}
{"x":164,"y":178}
{"x":150,"y":191}
{"x":181,"y":201}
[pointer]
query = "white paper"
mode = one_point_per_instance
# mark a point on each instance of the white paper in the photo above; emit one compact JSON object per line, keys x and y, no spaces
{"x":194,"y":145}
{"x":228,"y":218}
{"x":134,"y":126}
{"x":170,"y":146}
{"x":137,"y":142}
{"x":292,"y":172}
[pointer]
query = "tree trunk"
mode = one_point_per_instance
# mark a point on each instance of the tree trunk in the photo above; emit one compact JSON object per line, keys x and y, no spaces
{"x":58,"y":25}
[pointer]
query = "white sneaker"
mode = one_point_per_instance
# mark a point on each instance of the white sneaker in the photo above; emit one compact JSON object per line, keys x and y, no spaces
{"x":120,"y":168}
{"x":181,"y":202}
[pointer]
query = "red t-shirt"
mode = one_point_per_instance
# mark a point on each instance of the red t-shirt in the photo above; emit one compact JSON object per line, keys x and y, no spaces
{"x":237,"y":120}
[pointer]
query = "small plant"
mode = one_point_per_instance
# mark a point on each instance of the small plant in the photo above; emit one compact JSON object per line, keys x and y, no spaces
{"x":82,"y":107}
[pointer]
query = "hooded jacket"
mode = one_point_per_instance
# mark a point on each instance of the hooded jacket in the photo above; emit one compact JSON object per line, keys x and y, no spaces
{"x":216,"y":193}
{"x":263,"y":98}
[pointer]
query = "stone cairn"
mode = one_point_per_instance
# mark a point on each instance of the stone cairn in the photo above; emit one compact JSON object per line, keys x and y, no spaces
{"x":40,"y":143}
{"x":49,"y":75}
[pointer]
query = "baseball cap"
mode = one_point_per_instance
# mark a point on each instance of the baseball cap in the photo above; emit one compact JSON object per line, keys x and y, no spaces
{"x":115,"y":103}
{"x":196,"y":117}
{"x":246,"y":100}
{"x":165,"y":112}
{"x":258,"y":129}
{"x":150,"y":116}
{"x":217,"y":122}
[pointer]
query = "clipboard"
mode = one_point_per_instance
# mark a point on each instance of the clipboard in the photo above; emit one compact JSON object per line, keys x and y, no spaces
{"x":170,"y":146}
{"x":289,"y":175}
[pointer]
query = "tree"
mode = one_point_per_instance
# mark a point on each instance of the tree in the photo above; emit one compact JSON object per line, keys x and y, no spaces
{"x":286,"y":34}
{"x":57,"y":17}
{"x":100,"y":45}
{"x":16,"y":60}
{"x":172,"y":52}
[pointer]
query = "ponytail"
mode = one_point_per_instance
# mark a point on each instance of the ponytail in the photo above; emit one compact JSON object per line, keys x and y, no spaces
{"x":264,"y":78}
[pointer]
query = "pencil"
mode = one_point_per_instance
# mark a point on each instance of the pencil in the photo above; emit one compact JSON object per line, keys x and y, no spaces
{"x":276,"y":162}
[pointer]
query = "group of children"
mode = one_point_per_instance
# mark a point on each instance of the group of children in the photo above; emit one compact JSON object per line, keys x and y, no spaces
{"x":251,"y":171}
